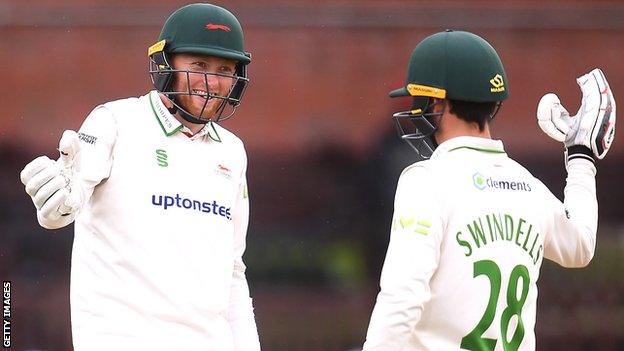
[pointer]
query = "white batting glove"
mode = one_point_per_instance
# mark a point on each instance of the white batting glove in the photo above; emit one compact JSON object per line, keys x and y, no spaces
{"x":591,"y":130}
{"x":49,"y":183}
{"x":553,"y":118}
{"x":594,"y":125}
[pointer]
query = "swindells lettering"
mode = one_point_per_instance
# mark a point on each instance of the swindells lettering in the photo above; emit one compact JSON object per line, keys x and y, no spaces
{"x":500,"y":227}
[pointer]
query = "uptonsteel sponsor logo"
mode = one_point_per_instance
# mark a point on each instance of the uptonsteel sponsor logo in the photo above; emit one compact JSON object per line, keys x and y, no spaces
{"x":168,"y":202}
{"x":482,"y":182}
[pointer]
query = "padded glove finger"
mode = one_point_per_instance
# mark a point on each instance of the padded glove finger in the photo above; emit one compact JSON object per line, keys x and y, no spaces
{"x":49,"y":189}
{"x":552,"y":117}
{"x":50,"y":209}
{"x":38,"y":180}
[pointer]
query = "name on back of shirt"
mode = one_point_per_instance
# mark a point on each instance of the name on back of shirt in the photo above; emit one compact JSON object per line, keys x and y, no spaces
{"x":500,"y":227}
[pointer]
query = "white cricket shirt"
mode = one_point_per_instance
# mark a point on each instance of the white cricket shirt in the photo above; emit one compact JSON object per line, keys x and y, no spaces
{"x":470,"y":230}
{"x":157,"y":255}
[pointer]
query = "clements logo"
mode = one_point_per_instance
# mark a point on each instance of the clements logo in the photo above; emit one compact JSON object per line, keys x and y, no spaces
{"x":481,"y":182}
{"x":214,"y":208}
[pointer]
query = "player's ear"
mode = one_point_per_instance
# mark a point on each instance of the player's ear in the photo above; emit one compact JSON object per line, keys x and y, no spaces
{"x":440,"y":105}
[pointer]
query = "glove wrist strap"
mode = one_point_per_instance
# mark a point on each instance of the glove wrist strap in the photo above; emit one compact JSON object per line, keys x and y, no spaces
{"x":580,"y":151}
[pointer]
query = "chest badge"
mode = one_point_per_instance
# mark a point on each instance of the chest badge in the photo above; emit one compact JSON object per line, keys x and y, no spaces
{"x":223,"y":171}
{"x":161,"y":158}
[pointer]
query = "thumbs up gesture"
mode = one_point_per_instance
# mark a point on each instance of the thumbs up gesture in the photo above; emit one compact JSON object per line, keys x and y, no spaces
{"x":49,"y":183}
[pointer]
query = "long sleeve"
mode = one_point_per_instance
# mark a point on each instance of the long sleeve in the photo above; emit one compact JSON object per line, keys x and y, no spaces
{"x":411,"y":260}
{"x":571,"y":241}
{"x":240,"y":311}
{"x":92,"y":163}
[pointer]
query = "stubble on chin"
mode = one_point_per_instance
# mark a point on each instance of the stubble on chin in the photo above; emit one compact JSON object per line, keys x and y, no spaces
{"x":195,"y":109}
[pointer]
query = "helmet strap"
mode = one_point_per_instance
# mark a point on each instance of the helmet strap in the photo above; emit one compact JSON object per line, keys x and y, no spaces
{"x":496,"y":109}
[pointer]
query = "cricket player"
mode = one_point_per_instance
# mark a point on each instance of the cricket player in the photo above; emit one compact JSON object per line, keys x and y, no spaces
{"x":471,"y":226}
{"x":157,"y":193}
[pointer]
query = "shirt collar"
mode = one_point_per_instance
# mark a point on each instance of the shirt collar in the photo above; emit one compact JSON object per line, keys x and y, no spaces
{"x":468,"y":142}
{"x":208,"y":129}
{"x":170,"y":125}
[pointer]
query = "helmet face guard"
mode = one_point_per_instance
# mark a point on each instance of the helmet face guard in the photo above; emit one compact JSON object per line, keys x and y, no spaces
{"x":163,"y":77}
{"x":417,"y":126}
{"x":201,"y":29}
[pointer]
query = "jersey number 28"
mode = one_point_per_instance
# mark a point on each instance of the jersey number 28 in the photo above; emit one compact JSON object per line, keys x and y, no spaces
{"x":474,"y":340}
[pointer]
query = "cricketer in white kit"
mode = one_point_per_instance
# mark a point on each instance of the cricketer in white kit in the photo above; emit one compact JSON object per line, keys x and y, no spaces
{"x":157,"y":190}
{"x":471,"y":226}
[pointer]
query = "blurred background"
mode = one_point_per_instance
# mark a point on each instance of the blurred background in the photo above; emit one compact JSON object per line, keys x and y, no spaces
{"x":323,"y":155}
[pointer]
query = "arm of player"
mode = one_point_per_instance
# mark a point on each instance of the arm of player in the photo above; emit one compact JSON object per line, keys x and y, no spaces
{"x":98,"y":134}
{"x":240,"y":310}
{"x":411,"y":260}
{"x":571,"y":240}
{"x":58,"y":188}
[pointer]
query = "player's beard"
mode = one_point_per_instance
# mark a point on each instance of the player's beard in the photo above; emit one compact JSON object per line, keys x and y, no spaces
{"x":199,"y":106}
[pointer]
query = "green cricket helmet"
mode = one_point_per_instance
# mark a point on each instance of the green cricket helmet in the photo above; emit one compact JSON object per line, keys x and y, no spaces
{"x":203,"y":29}
{"x":453,"y":65}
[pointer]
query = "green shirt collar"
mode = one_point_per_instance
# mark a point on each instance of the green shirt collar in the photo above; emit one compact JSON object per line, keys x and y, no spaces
{"x":472,"y":143}
{"x":169,"y":124}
